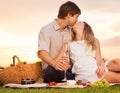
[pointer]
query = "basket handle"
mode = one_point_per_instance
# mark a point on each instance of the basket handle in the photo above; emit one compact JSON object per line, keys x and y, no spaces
{"x":16,"y":58}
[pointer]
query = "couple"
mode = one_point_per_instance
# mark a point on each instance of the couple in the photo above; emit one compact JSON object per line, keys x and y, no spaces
{"x":84,"y":49}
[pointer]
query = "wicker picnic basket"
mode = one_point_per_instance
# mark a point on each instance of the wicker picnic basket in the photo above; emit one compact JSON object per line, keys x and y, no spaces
{"x":15,"y":73}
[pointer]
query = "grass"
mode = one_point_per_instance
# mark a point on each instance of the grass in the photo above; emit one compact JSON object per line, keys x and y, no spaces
{"x":112,"y":89}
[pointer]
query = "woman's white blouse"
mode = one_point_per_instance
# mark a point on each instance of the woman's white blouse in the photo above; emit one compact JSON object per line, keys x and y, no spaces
{"x":83,"y":59}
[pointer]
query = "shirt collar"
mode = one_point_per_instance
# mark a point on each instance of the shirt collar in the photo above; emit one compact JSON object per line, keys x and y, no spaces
{"x":57,"y":27}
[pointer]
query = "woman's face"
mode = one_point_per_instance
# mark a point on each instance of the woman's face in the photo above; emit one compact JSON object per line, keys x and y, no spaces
{"x":78,"y":27}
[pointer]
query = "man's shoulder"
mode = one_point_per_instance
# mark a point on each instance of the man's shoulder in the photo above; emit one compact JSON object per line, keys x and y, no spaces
{"x":47,"y":27}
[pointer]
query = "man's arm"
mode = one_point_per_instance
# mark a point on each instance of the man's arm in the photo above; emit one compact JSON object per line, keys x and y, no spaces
{"x":58,"y":64}
{"x":42,"y":54}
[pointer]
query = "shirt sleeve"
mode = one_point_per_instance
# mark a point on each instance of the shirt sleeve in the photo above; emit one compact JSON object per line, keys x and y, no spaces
{"x":43,"y":40}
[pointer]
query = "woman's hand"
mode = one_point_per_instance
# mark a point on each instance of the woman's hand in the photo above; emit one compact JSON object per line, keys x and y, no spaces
{"x":101,"y":71}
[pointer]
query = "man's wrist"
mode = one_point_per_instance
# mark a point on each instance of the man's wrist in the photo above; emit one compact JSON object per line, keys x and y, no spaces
{"x":54,"y":64}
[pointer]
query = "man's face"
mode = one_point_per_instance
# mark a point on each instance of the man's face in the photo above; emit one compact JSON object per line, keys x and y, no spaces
{"x":72,"y":19}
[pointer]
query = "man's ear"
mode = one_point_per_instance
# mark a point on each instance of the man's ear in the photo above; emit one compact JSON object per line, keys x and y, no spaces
{"x":69,"y":15}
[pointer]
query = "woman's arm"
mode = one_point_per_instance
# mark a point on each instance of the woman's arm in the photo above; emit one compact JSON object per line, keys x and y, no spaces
{"x":98,"y":54}
{"x":62,"y":52}
{"x":101,"y":66}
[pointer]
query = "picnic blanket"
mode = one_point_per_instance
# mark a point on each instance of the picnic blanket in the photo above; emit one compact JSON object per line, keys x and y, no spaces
{"x":42,"y":85}
{"x":46,"y":85}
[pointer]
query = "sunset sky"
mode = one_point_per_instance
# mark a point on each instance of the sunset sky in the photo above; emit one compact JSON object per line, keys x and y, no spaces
{"x":21,"y":21}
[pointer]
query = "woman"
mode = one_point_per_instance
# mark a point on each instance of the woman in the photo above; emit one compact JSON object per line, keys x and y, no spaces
{"x":86,"y":57}
{"x":85,"y":54}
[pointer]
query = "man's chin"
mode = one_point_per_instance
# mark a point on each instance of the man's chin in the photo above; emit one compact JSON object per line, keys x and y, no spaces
{"x":71,"y":25}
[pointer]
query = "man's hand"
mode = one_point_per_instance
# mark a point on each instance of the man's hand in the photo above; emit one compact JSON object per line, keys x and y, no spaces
{"x":62,"y":64}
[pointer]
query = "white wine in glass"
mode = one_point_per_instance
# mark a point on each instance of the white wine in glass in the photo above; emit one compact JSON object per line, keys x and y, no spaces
{"x":66,"y":53}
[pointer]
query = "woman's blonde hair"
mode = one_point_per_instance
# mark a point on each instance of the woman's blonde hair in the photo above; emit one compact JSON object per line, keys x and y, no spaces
{"x":89,"y":36}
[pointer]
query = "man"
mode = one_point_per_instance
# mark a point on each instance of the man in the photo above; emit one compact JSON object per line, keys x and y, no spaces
{"x":51,"y":39}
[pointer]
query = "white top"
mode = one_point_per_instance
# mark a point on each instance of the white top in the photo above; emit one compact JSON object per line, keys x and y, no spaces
{"x":84,"y":63}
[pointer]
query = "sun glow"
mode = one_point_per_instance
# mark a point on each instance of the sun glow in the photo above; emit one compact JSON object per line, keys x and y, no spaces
{"x":25,"y":47}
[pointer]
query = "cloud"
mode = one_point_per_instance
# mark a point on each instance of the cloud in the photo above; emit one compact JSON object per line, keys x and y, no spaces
{"x":24,"y":41}
{"x":115,"y":26}
{"x":108,"y":27}
{"x":100,"y":5}
{"x":115,"y":41}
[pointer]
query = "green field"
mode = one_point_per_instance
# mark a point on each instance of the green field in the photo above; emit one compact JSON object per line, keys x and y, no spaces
{"x":112,"y":89}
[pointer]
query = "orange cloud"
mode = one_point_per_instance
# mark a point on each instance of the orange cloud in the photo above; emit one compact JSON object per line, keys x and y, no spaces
{"x":115,"y":41}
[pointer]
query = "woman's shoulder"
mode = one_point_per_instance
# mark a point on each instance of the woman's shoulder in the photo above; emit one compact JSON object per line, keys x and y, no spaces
{"x":96,"y":40}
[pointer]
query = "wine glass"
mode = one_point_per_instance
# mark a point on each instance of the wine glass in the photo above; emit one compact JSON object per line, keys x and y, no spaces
{"x":66,"y":53}
{"x":66,"y":39}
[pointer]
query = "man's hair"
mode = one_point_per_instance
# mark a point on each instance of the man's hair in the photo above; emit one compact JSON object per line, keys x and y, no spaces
{"x":68,"y":8}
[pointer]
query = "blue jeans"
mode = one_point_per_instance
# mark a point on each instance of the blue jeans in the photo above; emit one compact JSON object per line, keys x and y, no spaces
{"x":50,"y":75}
